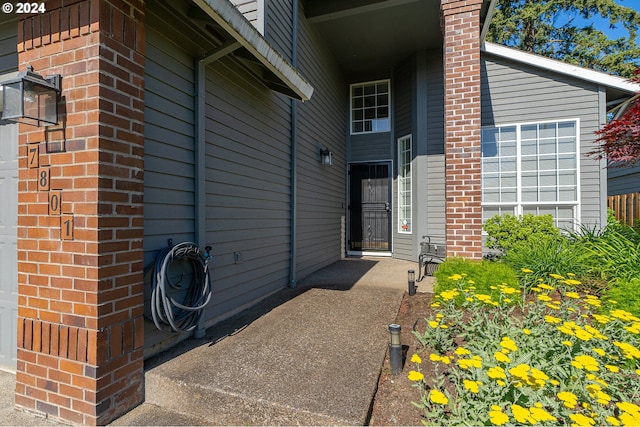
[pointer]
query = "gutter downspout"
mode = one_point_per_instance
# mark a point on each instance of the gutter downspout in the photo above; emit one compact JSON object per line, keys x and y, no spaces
{"x":294,"y":157}
{"x":200,"y":148}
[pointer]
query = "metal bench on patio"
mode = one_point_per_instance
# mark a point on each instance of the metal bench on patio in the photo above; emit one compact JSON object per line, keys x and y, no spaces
{"x":431,"y":254}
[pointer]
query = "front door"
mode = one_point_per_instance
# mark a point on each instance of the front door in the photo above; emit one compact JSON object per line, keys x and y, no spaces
{"x":8,"y":243}
{"x":369,"y":208}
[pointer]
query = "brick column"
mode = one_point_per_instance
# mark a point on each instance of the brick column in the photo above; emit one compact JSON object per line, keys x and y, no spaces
{"x":461,"y":50}
{"x":80,"y":223}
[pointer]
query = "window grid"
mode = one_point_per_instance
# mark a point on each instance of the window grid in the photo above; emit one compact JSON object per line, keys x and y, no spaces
{"x":404,"y":185}
{"x":532,"y":168}
{"x":370,"y":107}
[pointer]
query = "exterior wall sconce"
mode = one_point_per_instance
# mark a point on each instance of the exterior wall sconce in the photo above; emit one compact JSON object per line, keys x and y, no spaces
{"x":31,"y":98}
{"x":326,"y":157}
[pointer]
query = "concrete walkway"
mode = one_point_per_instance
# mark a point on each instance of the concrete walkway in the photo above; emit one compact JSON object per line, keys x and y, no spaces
{"x":310,"y":355}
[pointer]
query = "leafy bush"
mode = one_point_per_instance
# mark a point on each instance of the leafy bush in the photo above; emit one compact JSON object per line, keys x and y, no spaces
{"x":626,"y":294}
{"x":505,"y":231}
{"x":485,"y":274}
{"x":545,"y":256}
{"x":615,"y":255}
{"x":559,"y":362}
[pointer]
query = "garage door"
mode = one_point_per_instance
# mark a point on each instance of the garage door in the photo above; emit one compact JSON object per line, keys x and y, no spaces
{"x":8,"y":239}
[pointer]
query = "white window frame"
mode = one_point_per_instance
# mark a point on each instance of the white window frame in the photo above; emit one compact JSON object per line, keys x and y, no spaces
{"x":374,"y":128}
{"x":405,"y":185}
{"x":519,"y":206}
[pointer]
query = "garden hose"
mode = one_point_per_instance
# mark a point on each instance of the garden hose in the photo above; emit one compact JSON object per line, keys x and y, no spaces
{"x":178,"y":306}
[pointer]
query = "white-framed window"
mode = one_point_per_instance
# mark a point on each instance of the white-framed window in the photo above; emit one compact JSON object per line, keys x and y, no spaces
{"x":404,"y":185}
{"x":532,"y":168}
{"x":370,"y":107}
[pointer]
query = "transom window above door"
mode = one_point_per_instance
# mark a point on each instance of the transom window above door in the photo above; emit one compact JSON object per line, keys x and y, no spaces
{"x":370,"y":107}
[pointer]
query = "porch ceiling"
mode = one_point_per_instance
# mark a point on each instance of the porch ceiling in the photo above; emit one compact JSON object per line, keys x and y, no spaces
{"x":370,"y":35}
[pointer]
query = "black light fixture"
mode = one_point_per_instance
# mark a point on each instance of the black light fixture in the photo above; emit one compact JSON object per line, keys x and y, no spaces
{"x":395,"y":349}
{"x":326,"y":157}
{"x":412,"y":282}
{"x":31,"y":98}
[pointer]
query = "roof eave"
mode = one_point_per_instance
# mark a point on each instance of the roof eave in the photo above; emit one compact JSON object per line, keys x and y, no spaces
{"x":586,"y":74}
{"x":232,"y":21}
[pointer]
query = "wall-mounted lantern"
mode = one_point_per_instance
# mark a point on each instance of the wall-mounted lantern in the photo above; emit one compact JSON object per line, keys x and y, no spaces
{"x":31,"y":98}
{"x":326,"y":157}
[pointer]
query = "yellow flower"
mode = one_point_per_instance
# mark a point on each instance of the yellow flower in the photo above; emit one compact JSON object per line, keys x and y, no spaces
{"x":526,"y":270}
{"x":508,"y":344}
{"x":449,"y":295}
{"x":568,"y":399}
{"x":581,"y":420}
{"x":436,"y":396}
{"x":628,"y":350}
{"x":446,"y":360}
{"x":455,"y":277}
{"x":628,"y":407}
{"x":567,"y":343}
{"x":416,"y":359}
{"x":472,"y":386}
{"x":474,"y":362}
{"x":544,"y":298}
{"x":572,"y":282}
{"x":634,"y":328}
{"x":540,"y":414}
{"x":556,"y":276}
{"x":461,"y":351}
{"x":434,"y":357}
{"x":545,"y":286}
{"x":415,"y":376}
{"x":526,"y":331}
{"x":497,"y":417}
{"x":599,"y":351}
{"x":602,"y":319}
{"x":433,"y":324}
{"x":585,"y":362}
{"x":501,"y":357}
{"x":612,"y":368}
{"x":552,"y":319}
{"x":613,"y":421}
{"x":573,"y":295}
{"x":496,"y":373}
{"x":521,"y":414}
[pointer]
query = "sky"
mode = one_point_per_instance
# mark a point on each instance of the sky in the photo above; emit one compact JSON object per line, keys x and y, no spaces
{"x":603,"y":24}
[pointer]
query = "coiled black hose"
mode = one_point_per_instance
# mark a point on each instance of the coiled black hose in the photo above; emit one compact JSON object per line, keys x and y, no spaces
{"x":178,"y":307}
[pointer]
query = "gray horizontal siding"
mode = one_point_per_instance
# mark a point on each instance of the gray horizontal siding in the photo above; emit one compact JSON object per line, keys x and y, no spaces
{"x":169,"y":144}
{"x":321,"y":122}
{"x":247,"y":187}
{"x":515,"y":93}
{"x":623,"y":180}
{"x":279,"y":27}
{"x":8,"y":42}
{"x":370,"y":147}
{"x":403,"y":111}
{"x":435,"y":188}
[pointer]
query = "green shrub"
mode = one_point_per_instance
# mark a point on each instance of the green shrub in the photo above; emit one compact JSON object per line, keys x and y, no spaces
{"x":626,"y":294}
{"x":485,"y":274}
{"x":506,"y":231}
{"x":547,"y":255}
{"x":615,"y":255}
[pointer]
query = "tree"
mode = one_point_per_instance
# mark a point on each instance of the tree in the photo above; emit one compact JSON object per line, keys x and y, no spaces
{"x":552,"y":28}
{"x":619,"y":140}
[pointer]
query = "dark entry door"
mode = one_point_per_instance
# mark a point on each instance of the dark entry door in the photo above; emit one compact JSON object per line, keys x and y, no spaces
{"x":369,"y":207}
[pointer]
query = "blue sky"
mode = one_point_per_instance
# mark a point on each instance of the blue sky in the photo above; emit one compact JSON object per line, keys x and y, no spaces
{"x":603,"y":24}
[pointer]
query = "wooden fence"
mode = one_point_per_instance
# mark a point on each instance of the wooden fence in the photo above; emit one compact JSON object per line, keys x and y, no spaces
{"x":626,"y":207}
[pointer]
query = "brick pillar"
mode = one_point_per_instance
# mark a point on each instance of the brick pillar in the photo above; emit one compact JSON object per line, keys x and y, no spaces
{"x":80,"y":224}
{"x":461,"y":50}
